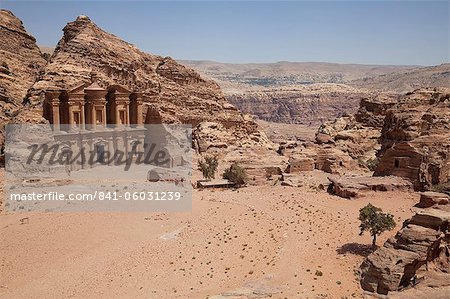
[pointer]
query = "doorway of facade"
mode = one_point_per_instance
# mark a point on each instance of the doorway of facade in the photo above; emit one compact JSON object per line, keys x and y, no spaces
{"x":100,"y":153}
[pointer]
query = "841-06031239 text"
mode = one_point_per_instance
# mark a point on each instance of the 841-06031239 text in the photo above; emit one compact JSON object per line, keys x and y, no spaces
{"x":98,"y":195}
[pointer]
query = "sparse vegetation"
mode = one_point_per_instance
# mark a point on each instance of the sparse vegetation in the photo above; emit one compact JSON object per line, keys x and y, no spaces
{"x":208,"y":167}
{"x":375,"y":221}
{"x":236,"y":174}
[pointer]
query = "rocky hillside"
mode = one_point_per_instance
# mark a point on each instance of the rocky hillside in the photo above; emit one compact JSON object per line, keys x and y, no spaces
{"x":178,"y":93}
{"x":407,"y":80}
{"x":20,"y":63}
{"x":303,"y":104}
{"x":402,"y":135}
{"x":417,"y":256}
{"x":415,"y":138}
{"x":237,"y":77}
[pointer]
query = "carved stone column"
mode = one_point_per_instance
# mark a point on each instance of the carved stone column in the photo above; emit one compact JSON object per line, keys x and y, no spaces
{"x":83,"y":120}
{"x":127,"y":115}
{"x":52,"y":98}
{"x":140,"y":112}
{"x":70,"y":124}
{"x":104,"y":115}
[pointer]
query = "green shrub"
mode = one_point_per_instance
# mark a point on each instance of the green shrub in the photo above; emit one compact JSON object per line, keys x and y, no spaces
{"x":208,"y":167}
{"x":375,"y":221}
{"x":236,"y":174}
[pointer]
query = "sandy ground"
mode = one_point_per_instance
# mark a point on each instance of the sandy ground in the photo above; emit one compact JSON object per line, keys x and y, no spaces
{"x":272,"y":239}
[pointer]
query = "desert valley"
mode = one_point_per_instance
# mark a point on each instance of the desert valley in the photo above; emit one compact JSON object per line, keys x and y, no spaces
{"x":317,"y":143}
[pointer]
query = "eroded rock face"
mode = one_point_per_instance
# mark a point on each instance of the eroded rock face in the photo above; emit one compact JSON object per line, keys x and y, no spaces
{"x":212,"y":136}
{"x":372,"y":111}
{"x":308,"y":104}
{"x":352,"y":187}
{"x":20,"y":62}
{"x":175,"y":93}
{"x":263,"y":166}
{"x":418,"y":254}
{"x":402,"y":135}
{"x":355,"y":135}
{"x":429,"y":199}
{"x":416,"y":138}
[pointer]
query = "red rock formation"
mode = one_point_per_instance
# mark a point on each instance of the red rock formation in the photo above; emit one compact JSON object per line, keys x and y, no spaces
{"x":416,"y":138}
{"x":178,"y":94}
{"x":419,"y":253}
{"x":20,"y":62}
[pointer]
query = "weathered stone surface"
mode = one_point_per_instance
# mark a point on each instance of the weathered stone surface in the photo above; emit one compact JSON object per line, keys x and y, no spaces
{"x":326,"y":158}
{"x":372,"y":110}
{"x":302,"y":104}
{"x":324,"y":139}
{"x":418,"y":254}
{"x":355,"y":186}
{"x":416,"y":138}
{"x":432,"y":218}
{"x":382,"y":271}
{"x":263,"y":166}
{"x":429,"y":199}
{"x":20,"y":63}
{"x":291,"y":180}
{"x":443,"y":292}
{"x":300,"y":164}
{"x":213,"y":136}
{"x":356,"y":137}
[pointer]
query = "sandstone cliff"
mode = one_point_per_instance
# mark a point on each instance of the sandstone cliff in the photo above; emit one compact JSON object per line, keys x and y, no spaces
{"x":415,"y":138}
{"x":304,"y":104}
{"x":20,"y":63}
{"x":177,"y":93}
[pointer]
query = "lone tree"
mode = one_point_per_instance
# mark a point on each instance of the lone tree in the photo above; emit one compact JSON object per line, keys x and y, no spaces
{"x":375,"y":221}
{"x":208,"y":167}
{"x":236,"y":174}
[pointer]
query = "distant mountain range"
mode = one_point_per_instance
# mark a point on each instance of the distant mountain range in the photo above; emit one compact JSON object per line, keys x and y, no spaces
{"x":407,"y":80}
{"x":401,"y":78}
{"x":311,"y":92}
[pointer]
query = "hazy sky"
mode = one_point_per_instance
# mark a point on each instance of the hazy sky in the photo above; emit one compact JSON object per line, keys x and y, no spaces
{"x":386,"y":32}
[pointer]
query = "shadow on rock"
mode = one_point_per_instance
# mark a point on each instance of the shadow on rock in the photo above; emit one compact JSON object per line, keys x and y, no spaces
{"x":355,"y":248}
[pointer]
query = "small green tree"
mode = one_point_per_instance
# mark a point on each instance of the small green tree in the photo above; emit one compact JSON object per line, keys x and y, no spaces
{"x":208,"y":167}
{"x":375,"y":221}
{"x":236,"y":174}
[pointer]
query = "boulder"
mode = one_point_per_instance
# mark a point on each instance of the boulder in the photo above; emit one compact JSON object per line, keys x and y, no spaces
{"x":429,"y":199}
{"x":355,"y":186}
{"x":291,"y":180}
{"x":300,"y":164}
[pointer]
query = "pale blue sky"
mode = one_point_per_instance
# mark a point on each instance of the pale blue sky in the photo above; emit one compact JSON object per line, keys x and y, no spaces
{"x":369,"y":32}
